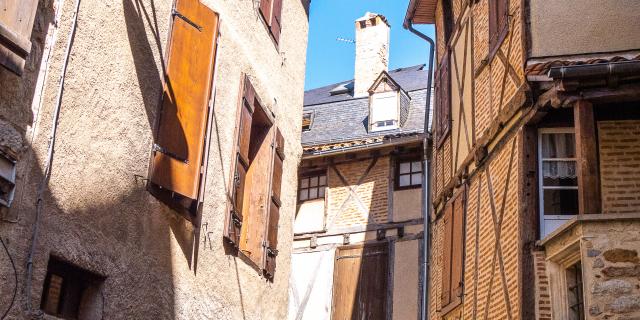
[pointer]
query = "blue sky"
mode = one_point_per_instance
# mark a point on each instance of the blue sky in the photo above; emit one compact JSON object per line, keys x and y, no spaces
{"x":330,"y":61}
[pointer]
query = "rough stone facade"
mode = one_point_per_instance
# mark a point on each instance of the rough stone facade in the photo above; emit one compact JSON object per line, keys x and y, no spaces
{"x":97,"y":213}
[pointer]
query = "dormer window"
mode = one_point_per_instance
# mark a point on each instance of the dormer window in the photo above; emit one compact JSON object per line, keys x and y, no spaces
{"x":307,"y":120}
{"x":384,"y":111}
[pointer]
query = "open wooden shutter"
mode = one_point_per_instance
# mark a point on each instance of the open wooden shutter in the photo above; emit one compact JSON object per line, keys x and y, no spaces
{"x":274,"y":206}
{"x":457,"y":246}
{"x":16,"y":24}
{"x":180,"y":136}
{"x":443,"y":93}
{"x":242,"y":163}
{"x":498,"y":18}
{"x":265,"y":10}
{"x":445,"y":296}
{"x":276,"y":22}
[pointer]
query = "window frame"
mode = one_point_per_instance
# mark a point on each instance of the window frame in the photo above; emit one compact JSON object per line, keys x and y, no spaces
{"x":397,"y":174}
{"x":383,"y":124}
{"x":310,"y":115}
{"x":541,"y":188}
{"x":308,"y":175}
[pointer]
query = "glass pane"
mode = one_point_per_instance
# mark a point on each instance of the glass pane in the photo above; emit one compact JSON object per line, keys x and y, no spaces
{"x":558,"y":145}
{"x":405,"y":180}
{"x":304,"y":183}
{"x":416,"y":178}
{"x":313,"y":193}
{"x":304,"y":194}
{"x":405,"y":167}
{"x":559,"y":173}
{"x":323,"y":180}
{"x":321,"y":192}
{"x":416,"y":166}
{"x":313,"y":181}
{"x":560,"y":202}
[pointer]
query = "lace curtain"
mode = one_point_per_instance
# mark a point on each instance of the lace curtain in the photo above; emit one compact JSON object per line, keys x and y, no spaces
{"x":558,"y":145}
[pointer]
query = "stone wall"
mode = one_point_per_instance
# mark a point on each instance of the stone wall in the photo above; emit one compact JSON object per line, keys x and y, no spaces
{"x":619,"y":143}
{"x":97,"y":213}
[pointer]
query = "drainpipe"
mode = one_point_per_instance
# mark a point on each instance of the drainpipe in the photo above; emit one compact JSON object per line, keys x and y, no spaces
{"x":426,"y":178}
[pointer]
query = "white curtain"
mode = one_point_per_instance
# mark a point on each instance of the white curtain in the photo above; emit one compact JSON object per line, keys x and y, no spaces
{"x":559,"y":169}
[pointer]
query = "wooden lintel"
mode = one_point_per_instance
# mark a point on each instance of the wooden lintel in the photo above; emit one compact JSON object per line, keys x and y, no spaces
{"x":587,"y":155}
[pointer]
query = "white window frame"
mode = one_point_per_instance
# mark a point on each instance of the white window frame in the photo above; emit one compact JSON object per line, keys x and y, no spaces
{"x":543,"y":217}
{"x":375,"y":122}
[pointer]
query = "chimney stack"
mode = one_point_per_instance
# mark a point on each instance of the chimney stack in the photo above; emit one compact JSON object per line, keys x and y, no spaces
{"x":372,"y":51}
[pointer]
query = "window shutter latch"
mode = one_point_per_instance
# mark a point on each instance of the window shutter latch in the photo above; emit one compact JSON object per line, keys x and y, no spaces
{"x":160,"y":149}
{"x":176,"y":13}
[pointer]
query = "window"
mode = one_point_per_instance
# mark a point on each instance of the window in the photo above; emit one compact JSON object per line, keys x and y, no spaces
{"x":70,"y":292}
{"x":16,"y":24}
{"x":180,"y":136}
{"x":312,"y":187}
{"x":383,"y":113}
{"x":7,"y":180}
{"x":558,"y":182}
{"x":254,"y":199}
{"x":307,"y":121}
{"x":442,"y":119}
{"x":409,"y":174}
{"x":575,"y":300}
{"x":271,"y":11}
{"x":498,"y":23}
{"x":452,"y":252}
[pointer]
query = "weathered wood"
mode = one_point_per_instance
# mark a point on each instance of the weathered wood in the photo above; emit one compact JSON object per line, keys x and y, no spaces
{"x":587,"y":158}
{"x":16,"y":24}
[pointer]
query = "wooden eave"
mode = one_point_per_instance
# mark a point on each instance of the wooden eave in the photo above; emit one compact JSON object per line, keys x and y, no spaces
{"x":421,"y":12}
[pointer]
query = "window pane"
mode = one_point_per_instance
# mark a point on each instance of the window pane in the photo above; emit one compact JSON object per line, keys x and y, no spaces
{"x":405,"y":180}
{"x":321,"y":192}
{"x":559,"y":173}
{"x":313,"y":181}
{"x":304,"y":183}
{"x":558,"y":145}
{"x":313,"y":193}
{"x":416,"y":166}
{"x":405,"y":167}
{"x":560,"y":202}
{"x":304,"y":194}
{"x":323,"y":180}
{"x":416,"y":178}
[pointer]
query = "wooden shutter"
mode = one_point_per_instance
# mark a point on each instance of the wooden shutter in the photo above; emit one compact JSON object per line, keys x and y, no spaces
{"x":276,"y":22}
{"x":234,"y":221}
{"x":16,"y":24}
{"x":457,"y":246}
{"x":498,"y":18}
{"x":180,"y":135}
{"x":274,"y":205}
{"x":443,"y":101}
{"x":265,"y":10}
{"x":445,"y":296}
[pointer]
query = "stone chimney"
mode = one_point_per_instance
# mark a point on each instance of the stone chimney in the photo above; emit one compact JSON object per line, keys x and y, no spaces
{"x":372,"y":51}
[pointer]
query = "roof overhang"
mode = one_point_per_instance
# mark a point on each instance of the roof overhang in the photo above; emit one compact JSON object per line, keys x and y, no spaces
{"x":421,"y":12}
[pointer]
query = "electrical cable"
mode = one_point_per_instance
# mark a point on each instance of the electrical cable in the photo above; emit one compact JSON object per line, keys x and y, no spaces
{"x":47,"y":170}
{"x":15,"y":274}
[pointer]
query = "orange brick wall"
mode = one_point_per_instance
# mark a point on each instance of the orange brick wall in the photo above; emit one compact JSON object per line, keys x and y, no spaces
{"x":372,"y":194}
{"x":620,"y":165}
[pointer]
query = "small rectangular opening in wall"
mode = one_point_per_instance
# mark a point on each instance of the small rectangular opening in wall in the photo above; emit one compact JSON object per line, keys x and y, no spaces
{"x":575,"y":300}
{"x":70,"y":292}
{"x":7,"y":180}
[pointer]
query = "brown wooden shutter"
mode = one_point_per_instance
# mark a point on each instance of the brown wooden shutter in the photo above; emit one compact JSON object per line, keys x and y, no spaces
{"x":445,"y":296}
{"x":234,"y":224}
{"x":265,"y":10}
{"x":16,"y":24}
{"x":457,"y":246}
{"x":276,"y":22}
{"x":180,"y":135}
{"x":498,"y":18}
{"x":443,"y":94}
{"x":275,"y":204}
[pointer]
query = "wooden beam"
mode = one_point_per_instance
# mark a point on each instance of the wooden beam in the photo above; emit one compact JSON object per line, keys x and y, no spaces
{"x":587,"y":155}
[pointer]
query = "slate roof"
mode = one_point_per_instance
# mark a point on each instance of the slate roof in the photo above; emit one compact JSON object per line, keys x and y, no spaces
{"x":342,"y":117}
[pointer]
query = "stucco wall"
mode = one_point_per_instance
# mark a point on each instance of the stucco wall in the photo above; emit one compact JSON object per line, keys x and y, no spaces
{"x":97,"y":212}
{"x":407,"y":204}
{"x":406,"y":267}
{"x":559,"y":28}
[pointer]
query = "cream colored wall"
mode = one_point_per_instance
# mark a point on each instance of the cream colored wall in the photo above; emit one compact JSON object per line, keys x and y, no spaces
{"x":406,"y":266}
{"x":407,"y":204}
{"x":559,"y":28}
{"x":310,"y":217}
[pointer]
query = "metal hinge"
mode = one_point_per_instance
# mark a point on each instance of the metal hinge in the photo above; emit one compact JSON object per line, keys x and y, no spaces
{"x":176,"y":13}
{"x":162,"y":150}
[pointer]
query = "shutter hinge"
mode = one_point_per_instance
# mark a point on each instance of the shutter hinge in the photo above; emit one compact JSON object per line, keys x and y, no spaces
{"x":162,"y":150}
{"x":176,"y":13}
